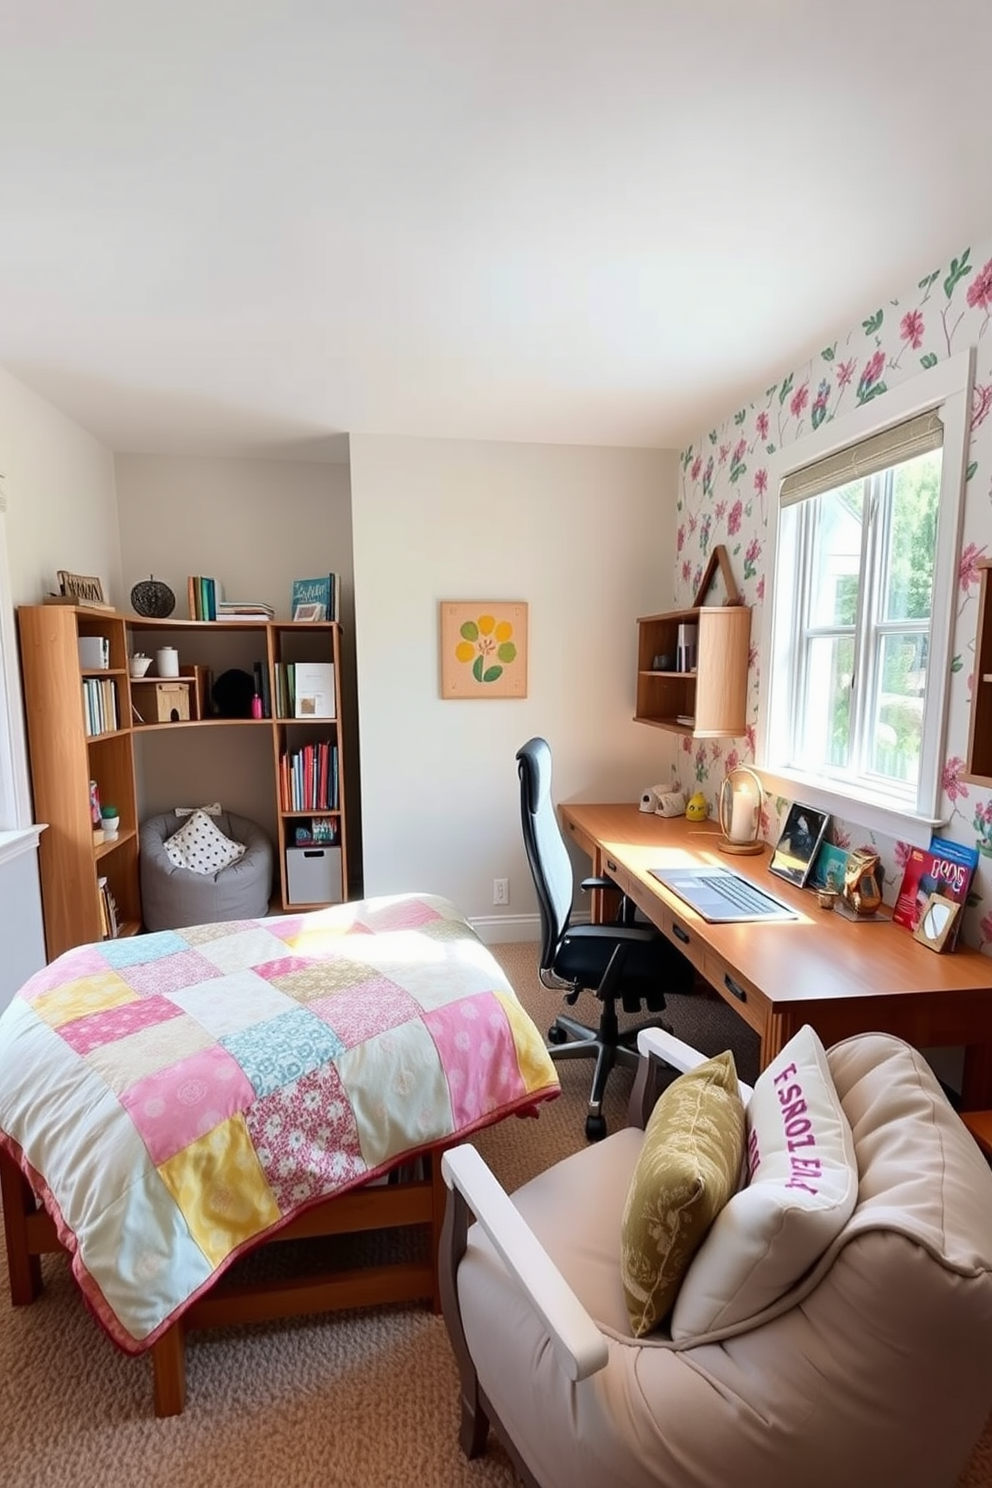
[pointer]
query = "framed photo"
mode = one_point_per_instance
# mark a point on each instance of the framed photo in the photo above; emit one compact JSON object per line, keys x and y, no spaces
{"x":797,"y":847}
{"x":483,"y":648}
{"x":309,"y":612}
{"x":937,"y":922}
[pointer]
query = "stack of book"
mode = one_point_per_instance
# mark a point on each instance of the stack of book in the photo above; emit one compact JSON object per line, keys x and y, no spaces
{"x":238,"y":609}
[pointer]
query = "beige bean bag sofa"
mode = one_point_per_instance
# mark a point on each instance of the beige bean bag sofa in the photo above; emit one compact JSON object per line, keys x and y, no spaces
{"x":873,"y":1367}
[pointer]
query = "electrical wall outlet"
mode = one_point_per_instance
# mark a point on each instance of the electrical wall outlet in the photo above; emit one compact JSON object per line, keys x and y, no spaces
{"x":501,"y":891}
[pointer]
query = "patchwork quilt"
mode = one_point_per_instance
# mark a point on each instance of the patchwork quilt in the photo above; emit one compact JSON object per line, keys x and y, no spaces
{"x":176,"y":1098}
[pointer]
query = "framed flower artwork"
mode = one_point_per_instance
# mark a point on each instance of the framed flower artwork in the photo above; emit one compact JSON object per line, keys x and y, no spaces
{"x":483,"y":648}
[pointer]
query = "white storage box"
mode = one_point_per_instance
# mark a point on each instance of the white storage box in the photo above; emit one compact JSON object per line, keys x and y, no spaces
{"x":94,"y":653}
{"x":313,"y":875}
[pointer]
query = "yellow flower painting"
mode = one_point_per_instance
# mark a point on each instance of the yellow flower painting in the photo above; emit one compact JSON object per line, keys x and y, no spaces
{"x":483,"y":649}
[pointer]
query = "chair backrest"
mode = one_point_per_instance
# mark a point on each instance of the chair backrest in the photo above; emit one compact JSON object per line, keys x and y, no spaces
{"x":546,"y":850}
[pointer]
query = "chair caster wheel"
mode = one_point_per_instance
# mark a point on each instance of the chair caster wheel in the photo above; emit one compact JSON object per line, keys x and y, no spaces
{"x":557,"y":1035}
{"x":595,"y":1128}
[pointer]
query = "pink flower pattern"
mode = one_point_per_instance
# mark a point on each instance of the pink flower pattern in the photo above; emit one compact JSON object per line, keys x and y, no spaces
{"x":717,"y":506}
{"x":979,"y":294}
{"x":911,"y":328}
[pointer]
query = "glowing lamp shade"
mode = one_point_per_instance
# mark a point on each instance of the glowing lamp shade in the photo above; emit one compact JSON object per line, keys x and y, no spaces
{"x":740,"y":812}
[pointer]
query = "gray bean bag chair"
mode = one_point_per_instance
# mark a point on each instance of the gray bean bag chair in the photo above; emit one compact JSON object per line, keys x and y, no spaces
{"x":172,"y":897}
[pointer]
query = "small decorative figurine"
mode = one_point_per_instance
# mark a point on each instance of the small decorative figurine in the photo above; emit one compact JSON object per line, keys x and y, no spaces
{"x":862,"y":891}
{"x":697,"y":809}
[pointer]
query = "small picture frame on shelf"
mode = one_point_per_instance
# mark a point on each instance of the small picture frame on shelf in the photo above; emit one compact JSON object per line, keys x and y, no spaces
{"x":798,"y":843}
{"x":936,"y":923}
{"x":309,"y":612}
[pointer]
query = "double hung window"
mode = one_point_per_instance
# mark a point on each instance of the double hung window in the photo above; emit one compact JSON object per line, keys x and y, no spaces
{"x":861,"y":607}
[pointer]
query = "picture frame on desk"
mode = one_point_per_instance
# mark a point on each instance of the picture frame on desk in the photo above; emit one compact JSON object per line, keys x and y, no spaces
{"x":798,"y":844}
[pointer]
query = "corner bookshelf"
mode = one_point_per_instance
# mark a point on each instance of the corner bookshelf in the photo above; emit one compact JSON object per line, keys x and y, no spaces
{"x":65,"y":756}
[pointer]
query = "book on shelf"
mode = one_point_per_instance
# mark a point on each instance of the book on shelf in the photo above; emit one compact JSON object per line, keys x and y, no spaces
{"x":202,"y":594}
{"x":110,"y":927}
{"x":945,"y":867}
{"x":315,"y":599}
{"x":314,"y":690}
{"x":308,"y":777}
{"x":260,"y":672}
{"x":100,"y":710}
{"x":285,"y":685}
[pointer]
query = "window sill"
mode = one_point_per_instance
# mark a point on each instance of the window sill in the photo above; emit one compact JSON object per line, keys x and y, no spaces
{"x":891,"y":821}
{"x":21,"y":840}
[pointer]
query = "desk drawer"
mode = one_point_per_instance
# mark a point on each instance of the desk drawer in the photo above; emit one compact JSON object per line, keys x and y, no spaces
{"x":683,"y":936}
{"x":743,"y":996}
{"x":582,"y":840}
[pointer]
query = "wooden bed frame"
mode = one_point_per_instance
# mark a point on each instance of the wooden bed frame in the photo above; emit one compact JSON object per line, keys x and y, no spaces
{"x":411,"y":1200}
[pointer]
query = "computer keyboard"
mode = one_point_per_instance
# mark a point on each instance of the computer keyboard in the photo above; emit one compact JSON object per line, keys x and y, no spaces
{"x":741,"y":894}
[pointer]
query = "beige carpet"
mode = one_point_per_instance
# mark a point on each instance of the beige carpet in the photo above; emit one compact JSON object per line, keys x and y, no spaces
{"x":336,"y":1402}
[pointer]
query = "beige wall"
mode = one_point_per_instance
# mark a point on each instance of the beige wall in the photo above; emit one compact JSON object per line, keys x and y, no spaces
{"x":254,"y":525}
{"x":586,"y":537}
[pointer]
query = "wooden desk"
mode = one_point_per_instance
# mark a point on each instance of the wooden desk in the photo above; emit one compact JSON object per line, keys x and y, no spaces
{"x":839,"y":976}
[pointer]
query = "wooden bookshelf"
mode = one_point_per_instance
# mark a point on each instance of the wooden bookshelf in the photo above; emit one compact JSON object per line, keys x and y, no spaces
{"x":710,"y":700}
{"x":64,"y":757}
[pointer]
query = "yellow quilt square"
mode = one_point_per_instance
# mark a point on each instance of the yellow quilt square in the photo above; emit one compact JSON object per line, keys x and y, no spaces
{"x":221,"y":1189}
{"x":536,"y":1067}
{"x":92,"y":993}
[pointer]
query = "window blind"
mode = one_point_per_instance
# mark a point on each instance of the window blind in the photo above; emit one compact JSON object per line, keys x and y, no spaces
{"x":917,"y":436}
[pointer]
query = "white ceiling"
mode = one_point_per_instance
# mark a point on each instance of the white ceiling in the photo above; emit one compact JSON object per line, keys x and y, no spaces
{"x":252,"y":225}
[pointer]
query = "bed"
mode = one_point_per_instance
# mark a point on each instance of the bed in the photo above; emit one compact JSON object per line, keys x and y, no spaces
{"x":173,"y":1102}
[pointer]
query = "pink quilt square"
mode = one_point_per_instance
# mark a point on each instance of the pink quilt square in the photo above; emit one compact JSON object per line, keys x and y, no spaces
{"x":169,"y":973}
{"x":85,"y":961}
{"x":403,"y":914}
{"x":363,"y":1011}
{"x":115,"y":1023}
{"x":283,"y":966}
{"x":306,"y":1139}
{"x":175,"y":1105}
{"x":478,"y":1053}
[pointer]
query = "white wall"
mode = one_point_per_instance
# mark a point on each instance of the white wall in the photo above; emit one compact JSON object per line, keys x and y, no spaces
{"x":255,"y":526}
{"x":586,"y":537}
{"x":61,"y":513}
{"x":61,"y":498}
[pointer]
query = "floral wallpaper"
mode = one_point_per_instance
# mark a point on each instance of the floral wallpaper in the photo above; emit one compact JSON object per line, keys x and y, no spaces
{"x":724,"y":497}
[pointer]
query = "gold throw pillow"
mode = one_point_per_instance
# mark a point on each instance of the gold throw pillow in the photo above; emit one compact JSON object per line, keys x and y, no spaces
{"x":688,"y":1168}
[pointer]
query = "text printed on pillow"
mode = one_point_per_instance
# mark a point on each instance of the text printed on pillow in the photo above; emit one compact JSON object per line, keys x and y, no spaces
{"x":798,"y":1130}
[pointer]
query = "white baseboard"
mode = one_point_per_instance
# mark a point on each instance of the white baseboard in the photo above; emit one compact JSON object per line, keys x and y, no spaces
{"x":495,"y":929}
{"x":498,"y":929}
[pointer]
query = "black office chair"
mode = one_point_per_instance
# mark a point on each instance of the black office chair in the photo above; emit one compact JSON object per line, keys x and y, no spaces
{"x":618,"y":962}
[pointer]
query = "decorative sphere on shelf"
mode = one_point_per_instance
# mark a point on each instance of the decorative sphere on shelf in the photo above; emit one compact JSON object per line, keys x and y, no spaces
{"x":153,"y":599}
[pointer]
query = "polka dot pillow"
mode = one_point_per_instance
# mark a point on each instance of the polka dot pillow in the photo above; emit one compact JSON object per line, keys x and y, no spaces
{"x":201,"y":846}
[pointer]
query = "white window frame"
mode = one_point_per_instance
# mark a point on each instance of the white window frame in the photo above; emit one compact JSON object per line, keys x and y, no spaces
{"x":17,"y":832}
{"x":946,"y":387}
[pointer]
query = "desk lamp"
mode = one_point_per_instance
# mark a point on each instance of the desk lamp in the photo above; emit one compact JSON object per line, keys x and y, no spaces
{"x":740,"y":812}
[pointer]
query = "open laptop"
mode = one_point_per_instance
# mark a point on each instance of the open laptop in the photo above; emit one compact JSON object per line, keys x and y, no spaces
{"x":721,"y":896}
